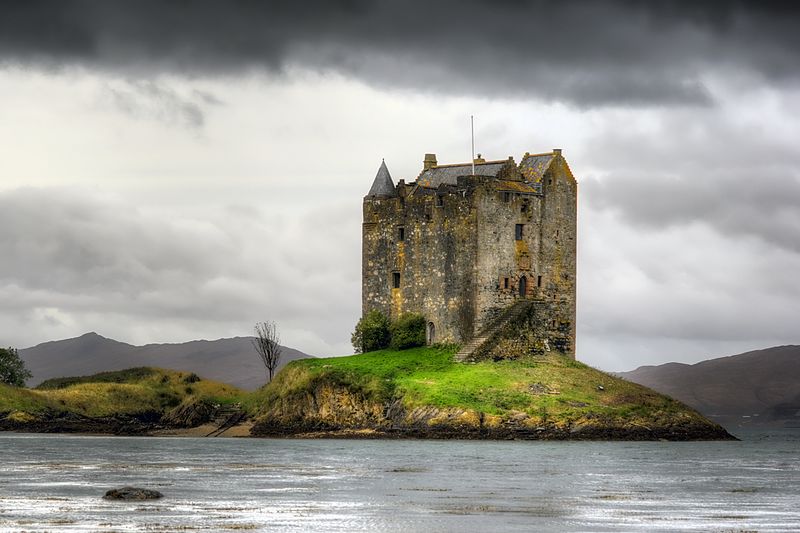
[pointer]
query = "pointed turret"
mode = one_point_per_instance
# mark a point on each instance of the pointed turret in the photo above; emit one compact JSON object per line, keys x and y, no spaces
{"x":383,"y":184}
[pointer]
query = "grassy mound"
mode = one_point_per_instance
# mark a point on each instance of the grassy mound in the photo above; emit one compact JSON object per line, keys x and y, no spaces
{"x":424,"y":388}
{"x":135,"y":392}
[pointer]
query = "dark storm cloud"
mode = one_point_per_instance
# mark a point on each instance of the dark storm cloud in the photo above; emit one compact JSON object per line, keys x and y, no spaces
{"x":613,"y":52}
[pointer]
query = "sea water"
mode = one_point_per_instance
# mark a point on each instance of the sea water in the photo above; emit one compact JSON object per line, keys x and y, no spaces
{"x":55,"y":483}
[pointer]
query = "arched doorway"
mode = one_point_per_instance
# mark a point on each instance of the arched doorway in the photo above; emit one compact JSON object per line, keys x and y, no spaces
{"x":431,"y":333}
{"x":523,"y":286}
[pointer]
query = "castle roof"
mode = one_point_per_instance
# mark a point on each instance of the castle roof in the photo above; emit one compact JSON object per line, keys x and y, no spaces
{"x":534,"y":166}
{"x":383,"y":184}
{"x":448,"y":174}
{"x":519,"y":186}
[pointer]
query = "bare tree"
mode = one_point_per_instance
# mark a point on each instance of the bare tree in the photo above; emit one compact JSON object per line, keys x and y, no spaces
{"x":267,"y":343}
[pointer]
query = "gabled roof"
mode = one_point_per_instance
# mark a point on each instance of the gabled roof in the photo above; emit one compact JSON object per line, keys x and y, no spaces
{"x":534,"y":166}
{"x":383,"y":184}
{"x":433,"y":177}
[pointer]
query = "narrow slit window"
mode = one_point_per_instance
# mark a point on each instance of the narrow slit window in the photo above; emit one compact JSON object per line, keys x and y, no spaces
{"x":505,"y":283}
{"x":401,"y":233}
{"x":506,"y":196}
{"x":518,"y":232}
{"x":396,"y":280}
{"x":439,"y":200}
{"x":538,"y":281}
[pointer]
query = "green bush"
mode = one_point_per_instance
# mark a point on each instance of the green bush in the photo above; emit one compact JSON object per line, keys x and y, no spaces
{"x":408,"y":331}
{"x":372,"y":333}
{"x":12,"y":368}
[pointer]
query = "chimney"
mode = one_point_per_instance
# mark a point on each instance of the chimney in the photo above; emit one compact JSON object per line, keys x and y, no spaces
{"x":429,"y":162}
{"x":479,"y":159}
{"x":556,"y":151}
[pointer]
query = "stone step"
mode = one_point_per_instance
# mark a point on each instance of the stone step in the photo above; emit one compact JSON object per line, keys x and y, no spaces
{"x":476,"y":342}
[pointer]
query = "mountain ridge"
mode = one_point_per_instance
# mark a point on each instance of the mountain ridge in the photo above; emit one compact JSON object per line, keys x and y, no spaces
{"x":231,"y":360}
{"x":758,"y":387}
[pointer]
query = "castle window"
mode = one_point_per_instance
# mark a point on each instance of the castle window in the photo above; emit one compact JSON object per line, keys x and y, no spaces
{"x":539,"y":281}
{"x":518,"y":232}
{"x":505,"y":283}
{"x":439,"y":200}
{"x":401,"y":233}
{"x":506,"y":196}
{"x":523,"y":286}
{"x":396,"y":280}
{"x":556,"y":233}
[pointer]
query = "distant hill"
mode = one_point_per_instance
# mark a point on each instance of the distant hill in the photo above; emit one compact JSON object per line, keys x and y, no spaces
{"x":228,"y":360}
{"x":754,"y":388}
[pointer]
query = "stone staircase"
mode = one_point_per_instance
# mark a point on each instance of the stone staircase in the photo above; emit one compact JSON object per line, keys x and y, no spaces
{"x":225,"y":417}
{"x":489,"y":331}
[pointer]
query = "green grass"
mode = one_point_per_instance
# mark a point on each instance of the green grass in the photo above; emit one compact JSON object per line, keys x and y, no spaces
{"x":125,"y":392}
{"x":551,"y":387}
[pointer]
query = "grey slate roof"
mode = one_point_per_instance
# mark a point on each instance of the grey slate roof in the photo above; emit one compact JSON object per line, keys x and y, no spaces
{"x":534,"y":166}
{"x":433,"y":177}
{"x":383,"y":184}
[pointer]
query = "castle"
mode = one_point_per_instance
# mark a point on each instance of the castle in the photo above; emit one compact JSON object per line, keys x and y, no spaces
{"x":464,"y":242}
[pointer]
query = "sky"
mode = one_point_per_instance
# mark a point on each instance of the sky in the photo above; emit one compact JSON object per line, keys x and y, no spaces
{"x":173,"y":171}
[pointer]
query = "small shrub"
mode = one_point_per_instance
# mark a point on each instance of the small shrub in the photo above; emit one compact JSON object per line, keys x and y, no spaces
{"x":408,"y":331}
{"x":191,"y":378}
{"x":372,"y":333}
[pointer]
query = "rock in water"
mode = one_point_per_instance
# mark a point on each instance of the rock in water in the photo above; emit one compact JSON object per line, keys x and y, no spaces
{"x":132,"y":493}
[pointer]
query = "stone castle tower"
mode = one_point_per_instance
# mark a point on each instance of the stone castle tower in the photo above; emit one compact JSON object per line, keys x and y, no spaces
{"x":460,"y":246}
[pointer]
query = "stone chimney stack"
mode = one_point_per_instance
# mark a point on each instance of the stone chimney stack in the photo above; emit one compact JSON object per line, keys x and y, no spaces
{"x":429,"y":162}
{"x":479,"y":159}
{"x":556,"y":151}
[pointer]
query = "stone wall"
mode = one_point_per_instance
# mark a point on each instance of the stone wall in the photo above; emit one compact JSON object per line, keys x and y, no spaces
{"x":558,"y":251}
{"x":435,"y":258}
{"x":502,"y":259}
{"x":458,"y":257}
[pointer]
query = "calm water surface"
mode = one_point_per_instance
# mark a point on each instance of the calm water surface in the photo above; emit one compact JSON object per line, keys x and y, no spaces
{"x":54,"y":483}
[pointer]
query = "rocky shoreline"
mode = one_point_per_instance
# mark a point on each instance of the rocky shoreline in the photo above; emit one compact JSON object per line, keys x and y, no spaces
{"x":74,"y":423}
{"x":135,"y":426}
{"x":196,"y":419}
{"x":336,"y":412}
{"x":689,"y":432}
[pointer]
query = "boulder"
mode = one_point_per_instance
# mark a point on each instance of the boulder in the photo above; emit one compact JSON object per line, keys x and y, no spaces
{"x":132,"y":493}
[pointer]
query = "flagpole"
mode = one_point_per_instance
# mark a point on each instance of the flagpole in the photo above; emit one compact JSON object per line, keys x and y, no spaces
{"x":472,"y":133}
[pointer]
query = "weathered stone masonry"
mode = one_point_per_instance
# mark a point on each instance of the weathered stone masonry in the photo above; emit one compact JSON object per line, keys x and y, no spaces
{"x":459,"y":248}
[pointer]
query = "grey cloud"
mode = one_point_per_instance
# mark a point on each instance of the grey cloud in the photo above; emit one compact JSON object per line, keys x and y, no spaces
{"x":147,"y":99}
{"x":749,"y":202}
{"x":581,"y":52}
{"x":711,"y":168}
{"x":75,"y":262}
{"x":677,"y":293}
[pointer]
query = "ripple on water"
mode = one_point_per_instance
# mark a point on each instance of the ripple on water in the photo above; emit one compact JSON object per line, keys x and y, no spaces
{"x":212,"y":485}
